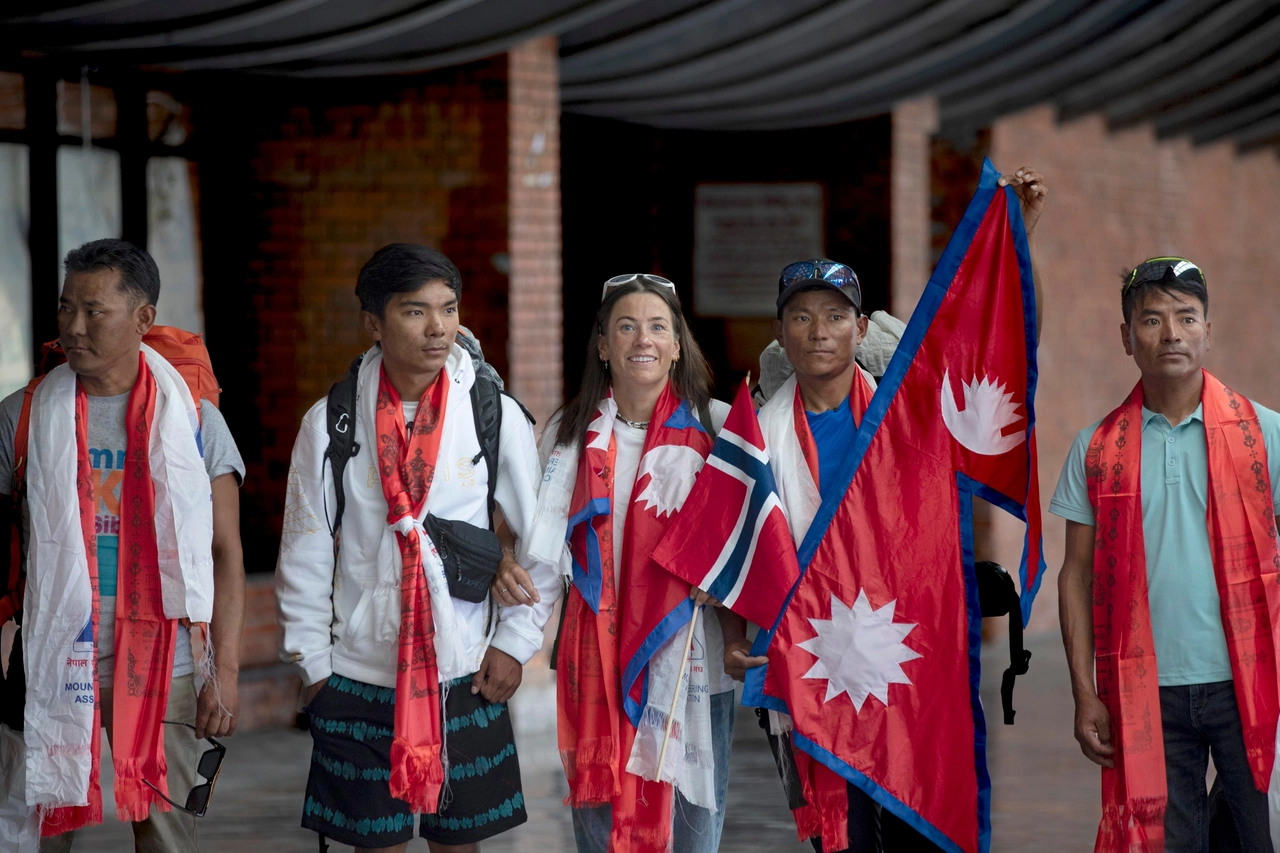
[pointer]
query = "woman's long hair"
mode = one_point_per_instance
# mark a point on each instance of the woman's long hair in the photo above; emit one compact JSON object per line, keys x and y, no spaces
{"x":691,"y":378}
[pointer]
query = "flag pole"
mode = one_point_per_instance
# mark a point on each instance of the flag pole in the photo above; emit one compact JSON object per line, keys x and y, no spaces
{"x":671,"y":714}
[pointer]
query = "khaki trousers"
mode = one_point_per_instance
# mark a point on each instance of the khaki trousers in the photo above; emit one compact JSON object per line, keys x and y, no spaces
{"x":173,"y":831}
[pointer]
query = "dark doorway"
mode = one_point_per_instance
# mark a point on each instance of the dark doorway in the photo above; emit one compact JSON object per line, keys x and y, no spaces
{"x":628,"y":202}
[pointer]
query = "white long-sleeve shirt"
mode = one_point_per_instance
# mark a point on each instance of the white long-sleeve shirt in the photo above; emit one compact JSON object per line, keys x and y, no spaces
{"x":323,"y":608}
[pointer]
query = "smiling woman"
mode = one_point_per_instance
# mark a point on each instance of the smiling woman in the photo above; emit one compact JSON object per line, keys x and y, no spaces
{"x":641,"y":338}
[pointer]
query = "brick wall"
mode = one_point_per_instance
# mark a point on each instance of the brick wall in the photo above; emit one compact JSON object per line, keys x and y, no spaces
{"x":464,"y":159}
{"x":1115,"y":199}
{"x":335,"y":173}
{"x":268,"y":688}
{"x":535,"y":344}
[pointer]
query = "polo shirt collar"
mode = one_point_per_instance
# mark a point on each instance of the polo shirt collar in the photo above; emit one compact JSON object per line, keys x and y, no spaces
{"x":1148,"y":416}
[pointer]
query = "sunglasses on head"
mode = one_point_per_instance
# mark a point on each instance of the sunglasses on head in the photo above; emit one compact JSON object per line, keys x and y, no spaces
{"x":832,"y":272}
{"x":208,"y":768}
{"x":1163,"y":269}
{"x":619,"y":280}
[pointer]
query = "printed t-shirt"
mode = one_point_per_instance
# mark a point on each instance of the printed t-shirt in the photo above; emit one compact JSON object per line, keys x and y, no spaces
{"x":107,"y":445}
{"x":833,"y":433}
{"x":1182,"y":592}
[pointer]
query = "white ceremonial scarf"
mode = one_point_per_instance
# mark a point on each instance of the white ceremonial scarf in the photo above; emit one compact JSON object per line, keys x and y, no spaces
{"x":385,"y":602}
{"x":59,"y":600}
{"x":797,"y":491}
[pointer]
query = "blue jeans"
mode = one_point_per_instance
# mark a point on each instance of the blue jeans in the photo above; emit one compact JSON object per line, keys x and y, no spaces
{"x":1199,"y":719}
{"x":695,"y":829}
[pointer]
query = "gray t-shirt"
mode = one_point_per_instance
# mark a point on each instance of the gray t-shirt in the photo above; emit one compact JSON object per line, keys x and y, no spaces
{"x":107,"y":445}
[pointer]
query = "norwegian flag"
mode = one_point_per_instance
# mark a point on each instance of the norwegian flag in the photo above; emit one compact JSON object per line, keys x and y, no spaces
{"x":876,"y":655}
{"x":731,"y":537}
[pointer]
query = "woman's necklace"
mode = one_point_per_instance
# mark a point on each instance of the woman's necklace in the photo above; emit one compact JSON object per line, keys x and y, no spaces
{"x":633,"y":424}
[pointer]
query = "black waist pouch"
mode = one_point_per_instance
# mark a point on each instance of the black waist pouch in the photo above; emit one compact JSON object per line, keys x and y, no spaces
{"x":470,"y":555}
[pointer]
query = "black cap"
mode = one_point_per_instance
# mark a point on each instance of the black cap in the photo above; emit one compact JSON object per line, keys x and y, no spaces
{"x":819,"y":273}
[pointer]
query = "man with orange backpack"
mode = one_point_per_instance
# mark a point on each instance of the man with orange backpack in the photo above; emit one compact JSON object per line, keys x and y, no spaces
{"x":123,"y":480}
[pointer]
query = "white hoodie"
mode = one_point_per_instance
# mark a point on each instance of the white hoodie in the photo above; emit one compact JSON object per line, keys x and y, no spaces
{"x":325,"y":610}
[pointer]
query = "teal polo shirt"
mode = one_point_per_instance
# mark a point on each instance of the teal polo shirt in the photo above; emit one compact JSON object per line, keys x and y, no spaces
{"x":1186,"y":618}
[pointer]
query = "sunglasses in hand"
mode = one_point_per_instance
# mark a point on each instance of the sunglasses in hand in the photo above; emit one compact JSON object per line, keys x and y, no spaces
{"x":208,"y":768}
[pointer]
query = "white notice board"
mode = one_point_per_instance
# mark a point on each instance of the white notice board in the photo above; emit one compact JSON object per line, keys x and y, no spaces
{"x":743,"y":235}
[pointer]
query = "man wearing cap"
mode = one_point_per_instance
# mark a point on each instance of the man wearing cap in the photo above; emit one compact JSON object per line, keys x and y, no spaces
{"x":808,"y":424}
{"x":1168,"y":586}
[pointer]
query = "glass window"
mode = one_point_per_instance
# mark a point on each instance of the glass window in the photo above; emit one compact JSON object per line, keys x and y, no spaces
{"x":100,"y":105}
{"x":88,"y":196}
{"x":13,"y":101}
{"x":174,"y":241}
{"x":15,"y":271}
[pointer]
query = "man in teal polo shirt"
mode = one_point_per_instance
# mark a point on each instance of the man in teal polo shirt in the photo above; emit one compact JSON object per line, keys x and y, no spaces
{"x":1165,"y":304}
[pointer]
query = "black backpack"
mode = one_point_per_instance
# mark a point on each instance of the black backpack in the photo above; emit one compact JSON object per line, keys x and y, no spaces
{"x":486,"y":406}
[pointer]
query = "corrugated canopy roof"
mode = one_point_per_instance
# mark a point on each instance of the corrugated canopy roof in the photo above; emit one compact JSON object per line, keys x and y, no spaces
{"x":1207,"y":69}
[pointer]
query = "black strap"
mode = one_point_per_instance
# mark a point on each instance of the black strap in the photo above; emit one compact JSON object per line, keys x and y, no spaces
{"x":341,"y":425}
{"x":486,"y":408}
{"x":704,"y":417}
{"x":1019,"y":661}
{"x":564,"y":605}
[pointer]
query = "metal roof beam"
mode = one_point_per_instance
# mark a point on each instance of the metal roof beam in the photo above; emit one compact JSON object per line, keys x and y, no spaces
{"x":1236,"y":120}
{"x":75,"y":10}
{"x":1215,"y":68}
{"x":1257,"y":135}
{"x":1184,"y":116}
{"x":1161,"y":20}
{"x":585,"y":64}
{"x":317,"y":46}
{"x":797,"y":37}
{"x":577,"y":16}
{"x":1144,"y":66}
{"x":864,"y":93}
{"x":226,"y":25}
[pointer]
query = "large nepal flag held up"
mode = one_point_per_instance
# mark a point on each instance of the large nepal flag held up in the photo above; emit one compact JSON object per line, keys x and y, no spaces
{"x":876,"y":654}
{"x":731,"y":537}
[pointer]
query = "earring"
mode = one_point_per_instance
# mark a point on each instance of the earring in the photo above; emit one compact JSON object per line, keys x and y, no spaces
{"x":604,"y":363}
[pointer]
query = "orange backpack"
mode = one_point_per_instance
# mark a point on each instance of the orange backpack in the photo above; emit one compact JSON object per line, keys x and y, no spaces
{"x":184,"y":350}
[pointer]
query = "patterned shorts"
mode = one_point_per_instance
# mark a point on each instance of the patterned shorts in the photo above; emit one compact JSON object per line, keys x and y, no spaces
{"x":348,"y":795}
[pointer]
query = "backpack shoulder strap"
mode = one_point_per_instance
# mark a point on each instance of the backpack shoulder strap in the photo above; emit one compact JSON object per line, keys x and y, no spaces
{"x":704,"y":417}
{"x":486,"y":408}
{"x":340,"y":422}
{"x":13,"y":579}
{"x":20,"y":435}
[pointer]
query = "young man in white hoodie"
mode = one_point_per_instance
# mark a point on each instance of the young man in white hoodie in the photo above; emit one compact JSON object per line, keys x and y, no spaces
{"x":407,"y":684}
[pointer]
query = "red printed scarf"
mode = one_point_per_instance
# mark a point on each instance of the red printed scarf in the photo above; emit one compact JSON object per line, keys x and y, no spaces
{"x":407,"y":465}
{"x":144,"y":639}
{"x":826,"y":809}
{"x":595,"y":733}
{"x":1242,"y":536}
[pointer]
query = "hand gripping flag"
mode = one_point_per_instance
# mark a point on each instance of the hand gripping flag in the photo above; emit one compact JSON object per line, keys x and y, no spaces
{"x":731,"y":537}
{"x":876,"y":655}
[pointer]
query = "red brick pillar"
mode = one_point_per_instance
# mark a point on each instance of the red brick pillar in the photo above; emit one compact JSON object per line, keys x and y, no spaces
{"x":914,"y":123}
{"x":535,"y":317}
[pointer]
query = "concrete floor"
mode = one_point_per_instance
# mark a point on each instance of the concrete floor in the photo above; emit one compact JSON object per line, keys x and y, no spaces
{"x":1045,"y":793}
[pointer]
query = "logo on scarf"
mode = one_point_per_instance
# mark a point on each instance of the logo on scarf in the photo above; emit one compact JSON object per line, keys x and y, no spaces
{"x":672,"y":468}
{"x":988,"y":410}
{"x":83,"y":644}
{"x":859,"y":650}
